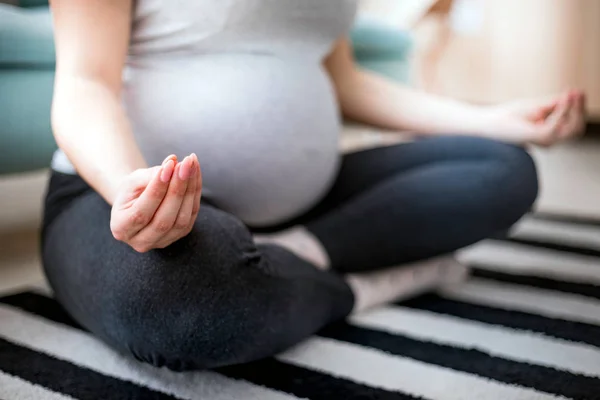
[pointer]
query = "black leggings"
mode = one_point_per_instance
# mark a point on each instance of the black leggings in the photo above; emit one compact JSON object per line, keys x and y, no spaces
{"x":216,"y":298}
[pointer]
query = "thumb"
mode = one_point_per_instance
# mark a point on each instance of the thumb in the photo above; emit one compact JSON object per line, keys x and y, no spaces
{"x":542,"y":108}
{"x":133,"y":185}
{"x":558,"y":115}
{"x":544,"y":111}
{"x":549,"y":129}
{"x":141,"y":177}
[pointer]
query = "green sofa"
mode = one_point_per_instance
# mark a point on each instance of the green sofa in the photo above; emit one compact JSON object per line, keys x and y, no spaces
{"x":26,"y":80}
{"x":27,"y":75}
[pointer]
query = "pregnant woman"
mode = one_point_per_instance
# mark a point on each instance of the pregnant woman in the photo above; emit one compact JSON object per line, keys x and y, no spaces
{"x":278,"y":234}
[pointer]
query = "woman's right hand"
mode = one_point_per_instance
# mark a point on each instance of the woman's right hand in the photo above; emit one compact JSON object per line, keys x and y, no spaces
{"x":157,"y":206}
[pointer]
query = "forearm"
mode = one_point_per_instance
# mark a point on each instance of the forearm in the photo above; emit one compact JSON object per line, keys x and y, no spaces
{"x":371,"y":99}
{"x":91,"y":127}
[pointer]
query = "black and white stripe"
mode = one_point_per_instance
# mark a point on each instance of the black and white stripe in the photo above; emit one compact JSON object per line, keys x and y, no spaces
{"x":525,"y":326}
{"x":12,"y":387}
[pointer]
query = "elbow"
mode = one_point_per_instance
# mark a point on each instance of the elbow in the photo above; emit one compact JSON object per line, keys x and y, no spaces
{"x":59,"y":120}
{"x":64,"y":101}
{"x":345,"y":80}
{"x":74,"y":98}
{"x":347,"y":87}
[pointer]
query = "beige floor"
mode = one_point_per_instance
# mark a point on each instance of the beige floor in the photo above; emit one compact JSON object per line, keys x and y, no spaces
{"x":569,"y":177}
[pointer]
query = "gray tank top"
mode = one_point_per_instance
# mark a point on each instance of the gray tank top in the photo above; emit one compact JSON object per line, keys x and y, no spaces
{"x":241,"y":84}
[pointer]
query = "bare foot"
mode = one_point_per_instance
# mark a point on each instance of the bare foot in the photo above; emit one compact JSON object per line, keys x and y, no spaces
{"x":385,"y":286}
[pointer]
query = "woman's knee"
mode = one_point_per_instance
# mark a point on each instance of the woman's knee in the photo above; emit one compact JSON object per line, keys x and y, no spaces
{"x":508,"y":171}
{"x":512,"y":165}
{"x":513,"y":181}
{"x":223,"y":319}
{"x":212,"y":342}
{"x":521,"y":175}
{"x":504,"y":182}
{"x":199,"y":327}
{"x":187,"y":306}
{"x":214,"y":308}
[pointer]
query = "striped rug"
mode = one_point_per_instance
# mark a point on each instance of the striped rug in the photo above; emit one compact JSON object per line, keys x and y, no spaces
{"x":525,"y":326}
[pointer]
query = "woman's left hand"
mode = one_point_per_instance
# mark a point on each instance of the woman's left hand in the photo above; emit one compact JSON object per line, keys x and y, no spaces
{"x":543,"y":122}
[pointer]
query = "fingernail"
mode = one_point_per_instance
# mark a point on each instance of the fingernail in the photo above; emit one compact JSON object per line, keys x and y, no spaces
{"x":167,"y":171}
{"x":184,"y":169}
{"x":196,"y":162}
{"x":157,"y":172}
{"x":167,"y":160}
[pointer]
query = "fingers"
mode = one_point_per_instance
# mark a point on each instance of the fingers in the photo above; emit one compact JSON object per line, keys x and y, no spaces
{"x":583,"y":102}
{"x":569,"y":127}
{"x":582,"y":117}
{"x":550,"y":129}
{"x":140,"y":207}
{"x":196,"y":192}
{"x":545,"y":109}
{"x":156,"y":190}
{"x":166,"y":215}
{"x":185,"y":218}
{"x":198,"y":195}
{"x":187,"y":208}
{"x":575,"y":123}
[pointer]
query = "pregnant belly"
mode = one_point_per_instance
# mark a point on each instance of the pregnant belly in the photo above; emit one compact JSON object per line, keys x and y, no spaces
{"x":265,"y":129}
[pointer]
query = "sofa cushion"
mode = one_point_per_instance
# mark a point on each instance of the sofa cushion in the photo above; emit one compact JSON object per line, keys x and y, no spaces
{"x":26,"y":140}
{"x":373,"y":40}
{"x":33,"y":3}
{"x":26,"y":39}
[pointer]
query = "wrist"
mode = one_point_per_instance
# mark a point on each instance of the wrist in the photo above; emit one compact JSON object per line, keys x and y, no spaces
{"x":115,"y":180}
{"x":489,"y":123}
{"x":478,"y":121}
